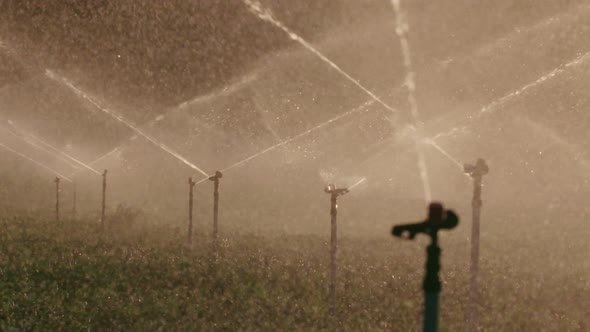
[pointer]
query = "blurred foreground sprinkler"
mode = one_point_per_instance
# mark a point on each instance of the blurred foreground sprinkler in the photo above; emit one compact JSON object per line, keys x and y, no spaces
{"x":57,"y":182}
{"x":334,"y":193}
{"x":191,"y":186}
{"x":476,"y":172}
{"x":438,"y":219}
{"x":215,"y":178}
{"x":104,"y":199}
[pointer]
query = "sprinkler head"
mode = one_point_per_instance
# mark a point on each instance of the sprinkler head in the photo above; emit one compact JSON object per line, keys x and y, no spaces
{"x":218,"y":175}
{"x":480,"y":168}
{"x":331,"y":189}
{"x":438,"y":219}
{"x":104,"y":173}
{"x":57,"y":179}
{"x":191,"y":181}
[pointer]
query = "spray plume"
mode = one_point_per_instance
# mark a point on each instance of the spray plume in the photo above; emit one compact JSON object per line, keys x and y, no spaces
{"x":265,"y":15}
{"x":357,"y":183}
{"x":496,"y":104}
{"x":291,"y":139}
{"x":401,"y":30}
{"x":196,"y":100}
{"x":122,"y":120}
{"x":51,"y":149}
{"x":40,"y":164}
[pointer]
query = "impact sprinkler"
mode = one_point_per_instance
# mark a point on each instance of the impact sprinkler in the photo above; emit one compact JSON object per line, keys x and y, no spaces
{"x":191,"y":186}
{"x":104,"y":199}
{"x":476,"y":172}
{"x":334,"y":194}
{"x":215,"y":178}
{"x":438,"y":219}
{"x":57,"y":182}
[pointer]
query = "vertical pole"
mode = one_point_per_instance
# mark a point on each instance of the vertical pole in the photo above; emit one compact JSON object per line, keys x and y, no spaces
{"x":216,"y":210}
{"x":432,"y":286}
{"x":74,"y":202}
{"x":333,"y":252}
{"x":334,"y":193}
{"x":57,"y":181}
{"x":215,"y":178}
{"x":191,"y":185}
{"x":104,"y":199}
{"x":476,"y":172}
{"x":474,"y":269}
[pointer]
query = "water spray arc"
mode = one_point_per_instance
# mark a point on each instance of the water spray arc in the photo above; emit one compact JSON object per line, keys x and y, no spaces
{"x":557,"y":71}
{"x":291,"y":139}
{"x":401,"y":30}
{"x":42,"y":148}
{"x":443,"y":152}
{"x":265,"y":15}
{"x":51,"y":149}
{"x":496,"y":104}
{"x":121,"y":119}
{"x":36,"y":162}
{"x":334,"y":194}
{"x":438,"y":219}
{"x":476,"y":172}
{"x":354,"y":185}
{"x":182,"y":106}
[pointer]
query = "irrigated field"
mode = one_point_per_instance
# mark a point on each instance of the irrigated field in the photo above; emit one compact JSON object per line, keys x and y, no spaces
{"x":72,"y":277}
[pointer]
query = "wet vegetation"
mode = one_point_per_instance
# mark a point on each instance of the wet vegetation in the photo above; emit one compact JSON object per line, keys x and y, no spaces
{"x":72,"y":276}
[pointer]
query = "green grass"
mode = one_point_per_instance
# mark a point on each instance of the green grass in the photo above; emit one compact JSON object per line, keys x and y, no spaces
{"x":73,"y":277}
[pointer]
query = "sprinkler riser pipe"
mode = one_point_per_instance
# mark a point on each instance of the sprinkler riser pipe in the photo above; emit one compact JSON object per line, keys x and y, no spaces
{"x":104,"y":198}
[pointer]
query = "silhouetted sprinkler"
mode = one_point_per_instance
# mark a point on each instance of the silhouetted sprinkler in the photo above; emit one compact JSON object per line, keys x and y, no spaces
{"x":438,"y":219}
{"x":476,"y":172}
{"x":334,"y":194}
{"x":215,"y":178}
{"x":104,"y":199}
{"x":57,"y":182}
{"x":191,"y":186}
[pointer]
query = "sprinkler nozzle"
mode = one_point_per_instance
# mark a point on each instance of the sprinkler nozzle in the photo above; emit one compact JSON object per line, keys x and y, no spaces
{"x":438,"y":219}
{"x":218,"y":175}
{"x":331,"y":189}
{"x":480,"y":168}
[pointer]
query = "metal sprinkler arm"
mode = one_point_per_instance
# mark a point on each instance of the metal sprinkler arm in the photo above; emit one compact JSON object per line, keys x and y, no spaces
{"x":478,"y":170}
{"x":437,"y":219}
{"x":218,"y":175}
{"x":331,"y":189}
